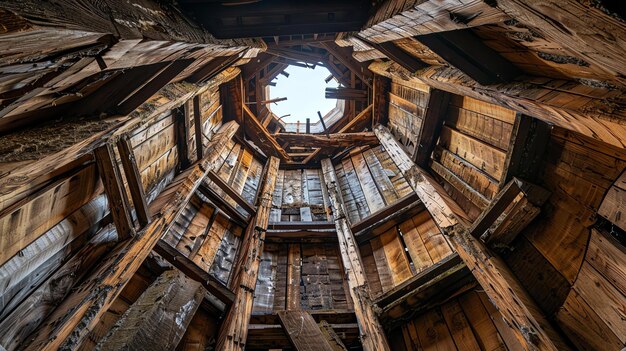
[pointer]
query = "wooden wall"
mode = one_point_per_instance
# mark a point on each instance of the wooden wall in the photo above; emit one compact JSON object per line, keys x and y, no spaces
{"x":369,"y":181}
{"x":467,"y":322}
{"x":470,"y":156}
{"x":402,"y":252}
{"x":58,"y":227}
{"x":407,"y":105}
{"x":300,"y":196}
{"x":320,"y":286}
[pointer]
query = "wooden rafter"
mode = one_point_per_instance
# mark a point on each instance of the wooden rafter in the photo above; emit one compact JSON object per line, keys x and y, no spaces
{"x":129,"y":163}
{"x":263,"y":136}
{"x":332,"y":140}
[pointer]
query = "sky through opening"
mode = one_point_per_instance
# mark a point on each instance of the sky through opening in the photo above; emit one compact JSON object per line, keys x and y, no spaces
{"x":304,"y":90}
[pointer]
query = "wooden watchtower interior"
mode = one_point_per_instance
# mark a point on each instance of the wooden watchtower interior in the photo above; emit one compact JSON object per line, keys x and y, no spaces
{"x":468,"y":193}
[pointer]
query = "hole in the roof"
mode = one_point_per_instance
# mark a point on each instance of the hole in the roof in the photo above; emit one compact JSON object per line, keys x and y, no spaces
{"x":304,"y":90}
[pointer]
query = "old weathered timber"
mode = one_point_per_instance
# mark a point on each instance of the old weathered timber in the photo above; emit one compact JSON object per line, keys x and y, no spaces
{"x":517,"y":307}
{"x":159,"y":318}
{"x":266,"y":139}
{"x":302,"y":331}
{"x":127,"y":156}
{"x":71,"y":321}
{"x":114,"y":187}
{"x":372,"y":334}
{"x":234,"y":329}
{"x":332,"y":140}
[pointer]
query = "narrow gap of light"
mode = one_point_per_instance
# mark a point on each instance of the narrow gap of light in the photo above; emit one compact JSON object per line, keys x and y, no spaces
{"x":304,"y":90}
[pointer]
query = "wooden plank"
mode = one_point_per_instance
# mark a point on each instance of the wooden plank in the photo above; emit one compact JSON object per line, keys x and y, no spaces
{"x":459,"y":327}
{"x":232,"y":193}
{"x":382,"y":181}
{"x":484,"y":329}
{"x":466,"y":51}
{"x":172,"y":299}
{"x":181,"y":118}
{"x":396,"y":257}
{"x":223,"y":205}
{"x":266,"y":139}
{"x":476,"y":152}
{"x":303,"y":332}
{"x":609,"y":258}
{"x":456,"y":182}
{"x":383,"y":214}
{"x":373,"y":197}
{"x":613,"y":206}
{"x":500,"y":284}
{"x":234,"y":329}
{"x":131,"y":172}
{"x":197,"y":125}
{"x":373,"y":336}
{"x":434,"y":116}
{"x":114,"y":187}
{"x":191,"y":270}
{"x":294,"y":263}
{"x":330,"y":140}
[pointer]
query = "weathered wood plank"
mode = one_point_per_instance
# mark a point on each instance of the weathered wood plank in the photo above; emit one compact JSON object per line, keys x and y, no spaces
{"x":303,"y":332}
{"x":131,"y":172}
{"x":114,"y":186}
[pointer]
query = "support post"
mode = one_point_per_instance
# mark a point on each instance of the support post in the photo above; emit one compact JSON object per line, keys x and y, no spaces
{"x":518,"y":309}
{"x":134,"y":180}
{"x":371,"y":332}
{"x":234,"y":329}
{"x":114,"y":188}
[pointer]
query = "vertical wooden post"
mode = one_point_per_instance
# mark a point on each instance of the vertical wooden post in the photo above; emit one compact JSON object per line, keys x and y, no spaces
{"x":372,"y":334}
{"x":134,"y":180}
{"x":380,"y":100}
{"x":114,"y":188}
{"x":181,"y":120}
{"x":197,"y":117}
{"x":234,"y":329}
{"x":518,"y":309}
{"x":294,"y":261}
{"x":434,"y":116}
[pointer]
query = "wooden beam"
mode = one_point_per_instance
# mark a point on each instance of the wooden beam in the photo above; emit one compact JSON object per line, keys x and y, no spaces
{"x":224,"y":205}
{"x":265,"y":138}
{"x":297,"y":225}
{"x":372,"y":334}
{"x":466,"y":51}
{"x":385,"y":212}
{"x":194,"y":272}
{"x":380,"y":103}
{"x":181,"y":121}
{"x":114,"y":188}
{"x":396,"y":54}
{"x":197,"y":124}
{"x":213,"y":68}
{"x":332,"y":140}
{"x":517,"y":307}
{"x":172,"y":300}
{"x":294,"y":270}
{"x":302,"y":331}
{"x":344,"y":55}
{"x":79,"y":313}
{"x":510,"y":211}
{"x":427,"y":292}
{"x":232,"y":193}
{"x":342,"y":93}
{"x":527,"y":150}
{"x":133,"y":177}
{"x":234,"y":329}
{"x":435,"y":114}
{"x":151,"y":86}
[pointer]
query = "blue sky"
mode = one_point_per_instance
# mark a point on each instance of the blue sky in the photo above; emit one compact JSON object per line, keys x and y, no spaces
{"x":304,"y":90}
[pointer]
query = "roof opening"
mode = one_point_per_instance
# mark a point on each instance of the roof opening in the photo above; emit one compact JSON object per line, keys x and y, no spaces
{"x":304,"y":90}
